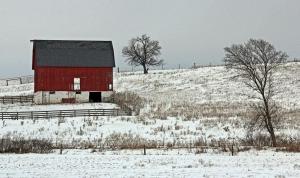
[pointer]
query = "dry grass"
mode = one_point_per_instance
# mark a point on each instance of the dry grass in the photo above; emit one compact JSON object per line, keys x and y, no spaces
{"x":127,"y":141}
{"x":290,"y":148}
{"x":129,"y":102}
{"x":21,"y":145}
{"x":195,"y":111}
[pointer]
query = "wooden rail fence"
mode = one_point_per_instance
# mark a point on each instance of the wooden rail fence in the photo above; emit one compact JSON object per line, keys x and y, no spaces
{"x":62,"y":113}
{"x":16,"y":99}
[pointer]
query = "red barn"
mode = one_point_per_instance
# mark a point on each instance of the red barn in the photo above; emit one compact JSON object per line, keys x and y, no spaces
{"x":72,"y":71}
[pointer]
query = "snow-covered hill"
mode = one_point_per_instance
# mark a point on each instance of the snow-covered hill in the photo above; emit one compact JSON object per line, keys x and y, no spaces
{"x":182,"y":106}
{"x":205,"y":85}
{"x":202,"y":85}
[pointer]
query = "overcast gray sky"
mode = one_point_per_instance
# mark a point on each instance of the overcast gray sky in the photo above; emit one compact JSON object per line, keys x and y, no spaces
{"x":188,"y":30}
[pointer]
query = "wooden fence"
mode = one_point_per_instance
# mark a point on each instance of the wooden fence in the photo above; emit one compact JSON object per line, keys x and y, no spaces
{"x":62,"y":113}
{"x":16,"y":99}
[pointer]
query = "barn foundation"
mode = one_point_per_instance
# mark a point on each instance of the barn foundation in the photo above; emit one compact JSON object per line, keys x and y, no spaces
{"x":56,"y":97}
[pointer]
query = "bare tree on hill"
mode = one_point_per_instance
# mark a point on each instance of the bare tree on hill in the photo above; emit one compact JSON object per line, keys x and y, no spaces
{"x":255,"y":62}
{"x":143,"y":51}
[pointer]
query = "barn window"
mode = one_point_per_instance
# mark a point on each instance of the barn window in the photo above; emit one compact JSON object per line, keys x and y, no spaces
{"x":76,"y":83}
{"x":78,"y":92}
{"x":110,"y":86}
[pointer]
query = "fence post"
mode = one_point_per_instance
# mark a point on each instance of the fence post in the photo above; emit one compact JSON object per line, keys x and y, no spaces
{"x":61,"y":149}
{"x":31,"y":115}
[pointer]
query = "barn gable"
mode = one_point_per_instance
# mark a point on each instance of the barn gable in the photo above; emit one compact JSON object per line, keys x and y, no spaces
{"x":67,"y":53}
{"x":72,"y":71}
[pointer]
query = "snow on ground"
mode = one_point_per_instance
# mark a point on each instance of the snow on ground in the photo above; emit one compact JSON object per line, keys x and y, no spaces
{"x":172,"y":130}
{"x":31,"y":107}
{"x":156,"y":164}
{"x":202,"y":85}
{"x":186,"y":87}
{"x":94,"y":128}
{"x":16,"y":90}
{"x":205,"y":85}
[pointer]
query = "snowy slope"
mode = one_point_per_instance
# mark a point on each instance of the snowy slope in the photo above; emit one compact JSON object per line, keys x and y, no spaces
{"x":184,"y":89}
{"x":203,"y":85}
{"x":16,"y":90}
{"x":188,"y":90}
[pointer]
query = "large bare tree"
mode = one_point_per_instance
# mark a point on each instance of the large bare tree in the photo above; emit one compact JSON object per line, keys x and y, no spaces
{"x":143,"y":51}
{"x":255,"y":62}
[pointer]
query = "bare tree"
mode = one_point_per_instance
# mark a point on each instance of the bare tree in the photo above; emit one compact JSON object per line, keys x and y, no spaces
{"x":255,"y":62}
{"x":143,"y":51}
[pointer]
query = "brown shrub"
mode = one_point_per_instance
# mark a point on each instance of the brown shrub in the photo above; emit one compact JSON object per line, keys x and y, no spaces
{"x":290,"y":148}
{"x":21,"y":145}
{"x":129,"y":102}
{"x":128,"y":141}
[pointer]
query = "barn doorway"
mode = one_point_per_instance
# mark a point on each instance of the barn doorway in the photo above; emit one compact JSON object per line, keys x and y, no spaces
{"x":95,"y":97}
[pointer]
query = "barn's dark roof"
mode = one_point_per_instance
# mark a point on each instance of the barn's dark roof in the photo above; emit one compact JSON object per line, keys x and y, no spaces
{"x":67,"y":53}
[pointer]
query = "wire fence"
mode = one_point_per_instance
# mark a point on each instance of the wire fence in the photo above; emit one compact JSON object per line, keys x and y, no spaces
{"x":62,"y":114}
{"x":194,"y":65}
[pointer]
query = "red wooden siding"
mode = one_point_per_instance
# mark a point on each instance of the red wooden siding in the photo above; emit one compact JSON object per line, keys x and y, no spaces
{"x":33,"y":58}
{"x":62,"y":78}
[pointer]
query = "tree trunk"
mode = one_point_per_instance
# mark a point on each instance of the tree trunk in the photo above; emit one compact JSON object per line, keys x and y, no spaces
{"x":145,"y":69}
{"x":274,"y":143}
{"x":269,"y":125}
{"x":272,"y":133}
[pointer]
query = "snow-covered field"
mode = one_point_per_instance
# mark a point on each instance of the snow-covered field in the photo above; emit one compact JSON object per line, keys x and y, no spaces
{"x":208,"y":92}
{"x":176,"y":163}
{"x":31,"y":107}
{"x":182,"y":107}
{"x":172,"y":130}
